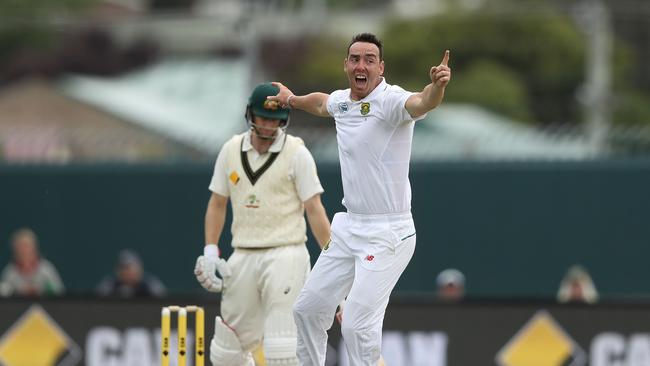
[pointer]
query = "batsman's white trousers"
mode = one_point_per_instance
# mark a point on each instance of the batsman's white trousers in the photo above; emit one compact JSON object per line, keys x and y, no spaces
{"x":365,"y":258}
{"x":264,"y":285}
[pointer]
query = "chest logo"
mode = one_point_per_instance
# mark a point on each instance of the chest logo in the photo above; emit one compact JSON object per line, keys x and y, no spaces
{"x":252,"y":201}
{"x":365,"y":108}
{"x":234,"y":177}
{"x":343,"y":107}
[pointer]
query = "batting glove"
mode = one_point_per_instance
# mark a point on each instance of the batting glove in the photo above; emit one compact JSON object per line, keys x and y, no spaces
{"x":208,"y":265}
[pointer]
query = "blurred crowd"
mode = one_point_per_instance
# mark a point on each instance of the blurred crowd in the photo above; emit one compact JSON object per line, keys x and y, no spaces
{"x":576,"y":286}
{"x":30,"y":274}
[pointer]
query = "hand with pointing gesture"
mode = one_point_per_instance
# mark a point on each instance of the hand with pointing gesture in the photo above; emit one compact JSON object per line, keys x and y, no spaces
{"x":441,"y":74}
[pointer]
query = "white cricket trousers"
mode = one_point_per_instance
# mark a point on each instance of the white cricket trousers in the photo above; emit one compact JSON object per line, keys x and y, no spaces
{"x":363,"y":261}
{"x":264,"y":285}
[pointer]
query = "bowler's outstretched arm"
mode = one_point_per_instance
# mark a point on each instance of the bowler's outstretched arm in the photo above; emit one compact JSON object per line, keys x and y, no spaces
{"x":314,"y":103}
{"x":431,"y":96}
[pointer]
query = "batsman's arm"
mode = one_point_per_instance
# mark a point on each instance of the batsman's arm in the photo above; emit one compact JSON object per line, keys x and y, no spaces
{"x":318,"y":221}
{"x":215,"y":216}
{"x":210,"y":262}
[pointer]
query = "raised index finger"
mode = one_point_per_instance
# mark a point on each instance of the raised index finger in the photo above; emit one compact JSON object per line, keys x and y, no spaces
{"x":445,"y":59}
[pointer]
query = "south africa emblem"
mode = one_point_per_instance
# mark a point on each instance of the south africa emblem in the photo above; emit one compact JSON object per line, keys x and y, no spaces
{"x":365,"y":108}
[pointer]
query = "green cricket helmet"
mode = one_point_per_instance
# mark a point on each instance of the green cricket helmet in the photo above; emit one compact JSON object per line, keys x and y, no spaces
{"x":260,"y":106}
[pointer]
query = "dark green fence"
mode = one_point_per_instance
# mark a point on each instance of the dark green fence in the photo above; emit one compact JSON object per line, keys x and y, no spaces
{"x":512,"y":228}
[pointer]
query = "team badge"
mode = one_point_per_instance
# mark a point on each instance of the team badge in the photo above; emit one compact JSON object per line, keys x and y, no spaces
{"x":271,"y":104}
{"x":365,"y":108}
{"x":252,"y":201}
{"x":343,"y":107}
{"x":234,"y":177}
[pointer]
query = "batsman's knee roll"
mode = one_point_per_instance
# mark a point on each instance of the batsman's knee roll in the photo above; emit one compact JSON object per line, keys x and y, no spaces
{"x":225,"y":348}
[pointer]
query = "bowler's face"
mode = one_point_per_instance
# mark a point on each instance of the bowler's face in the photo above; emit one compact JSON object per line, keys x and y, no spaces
{"x":363,"y":68}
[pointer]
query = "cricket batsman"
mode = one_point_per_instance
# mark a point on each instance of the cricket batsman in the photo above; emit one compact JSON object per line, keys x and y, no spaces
{"x":270,"y":179}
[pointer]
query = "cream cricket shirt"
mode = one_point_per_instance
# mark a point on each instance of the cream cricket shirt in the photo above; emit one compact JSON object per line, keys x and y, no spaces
{"x":267,"y":198}
{"x":374,"y":139}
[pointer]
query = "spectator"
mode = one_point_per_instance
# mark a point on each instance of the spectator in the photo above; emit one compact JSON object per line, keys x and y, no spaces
{"x":451,"y":284}
{"x":29,"y":274}
{"x":577,"y":286}
{"x":130,"y":279}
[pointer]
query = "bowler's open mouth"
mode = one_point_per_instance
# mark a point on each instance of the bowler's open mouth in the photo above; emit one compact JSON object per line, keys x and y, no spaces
{"x":360,"y":81}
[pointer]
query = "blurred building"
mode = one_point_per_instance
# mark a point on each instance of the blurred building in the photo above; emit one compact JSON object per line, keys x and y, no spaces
{"x":38,"y":123}
{"x":196,"y":102}
{"x":185,"y":110}
{"x":461,"y":132}
{"x":167,"y":80}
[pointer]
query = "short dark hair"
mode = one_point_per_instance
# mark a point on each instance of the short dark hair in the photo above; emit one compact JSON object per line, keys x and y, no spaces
{"x":368,"y":38}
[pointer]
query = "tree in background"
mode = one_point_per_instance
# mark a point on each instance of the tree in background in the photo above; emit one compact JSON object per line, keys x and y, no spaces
{"x":527,"y":65}
{"x":26,"y":28}
{"x":46,"y":38}
{"x":539,"y":56}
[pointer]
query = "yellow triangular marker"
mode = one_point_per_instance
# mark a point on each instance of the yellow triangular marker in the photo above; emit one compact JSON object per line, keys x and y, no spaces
{"x":540,"y":343}
{"x":34,"y":340}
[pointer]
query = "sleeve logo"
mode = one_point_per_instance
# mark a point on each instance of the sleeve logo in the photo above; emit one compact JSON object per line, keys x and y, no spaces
{"x":234,"y":177}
